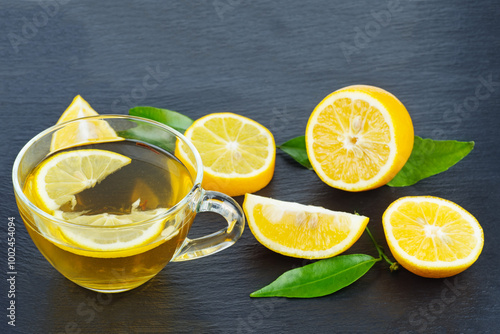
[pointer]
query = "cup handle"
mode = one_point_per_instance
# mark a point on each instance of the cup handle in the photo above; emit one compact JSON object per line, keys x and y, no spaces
{"x":228,"y":208}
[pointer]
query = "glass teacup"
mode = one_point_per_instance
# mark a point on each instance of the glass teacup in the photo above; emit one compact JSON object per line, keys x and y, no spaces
{"x":121,"y":231}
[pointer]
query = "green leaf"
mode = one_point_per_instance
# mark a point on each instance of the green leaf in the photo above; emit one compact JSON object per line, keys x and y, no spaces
{"x":171,"y":118}
{"x":319,"y":278}
{"x":150,"y":135}
{"x":430,"y":157}
{"x":296,"y":148}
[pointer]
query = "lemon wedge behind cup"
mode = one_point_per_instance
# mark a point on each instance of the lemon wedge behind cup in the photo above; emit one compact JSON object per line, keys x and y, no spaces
{"x":84,"y":132}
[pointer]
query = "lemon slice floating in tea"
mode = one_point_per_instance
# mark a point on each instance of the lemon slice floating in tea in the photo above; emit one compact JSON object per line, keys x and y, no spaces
{"x":85,"y":132}
{"x":431,"y":236}
{"x":238,"y":153}
{"x":358,"y":138}
{"x":61,"y":176}
{"x":303,"y":231}
{"x":108,"y":239}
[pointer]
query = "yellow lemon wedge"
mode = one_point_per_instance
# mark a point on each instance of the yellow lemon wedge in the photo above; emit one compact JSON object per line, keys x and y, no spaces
{"x":58,"y":178}
{"x":302,"y":231}
{"x":238,"y":153}
{"x":432,"y":237}
{"x":90,"y":131}
{"x":359,"y":137}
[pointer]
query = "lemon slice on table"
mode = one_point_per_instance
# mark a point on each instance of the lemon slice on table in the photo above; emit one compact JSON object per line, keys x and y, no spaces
{"x":358,"y":138}
{"x":431,"y":236}
{"x":238,"y":153}
{"x":61,"y":176}
{"x":91,"y":131}
{"x":125,"y":239}
{"x":303,"y":231}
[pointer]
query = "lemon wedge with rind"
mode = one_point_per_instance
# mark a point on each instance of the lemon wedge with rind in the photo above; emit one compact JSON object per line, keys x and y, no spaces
{"x":84,"y":132}
{"x":299,"y":230}
{"x":359,"y":137}
{"x":432,"y":237}
{"x":77,"y":109}
{"x":61,"y":176}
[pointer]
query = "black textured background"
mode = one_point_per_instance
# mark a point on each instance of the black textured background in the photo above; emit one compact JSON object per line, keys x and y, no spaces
{"x":272,"y":61}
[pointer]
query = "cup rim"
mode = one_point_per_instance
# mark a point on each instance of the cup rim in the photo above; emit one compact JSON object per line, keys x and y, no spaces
{"x":180,"y":204}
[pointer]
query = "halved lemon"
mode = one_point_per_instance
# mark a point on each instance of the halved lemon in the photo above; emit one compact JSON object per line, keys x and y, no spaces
{"x":303,"y":231}
{"x":359,"y":137}
{"x":84,"y":132}
{"x":238,"y":153}
{"x":58,"y":178}
{"x":431,"y":236}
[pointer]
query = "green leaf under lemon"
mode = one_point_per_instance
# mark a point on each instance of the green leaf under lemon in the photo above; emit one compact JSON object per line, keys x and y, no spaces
{"x":154,"y":136}
{"x":171,"y":118}
{"x":429,"y":157}
{"x":296,"y":148}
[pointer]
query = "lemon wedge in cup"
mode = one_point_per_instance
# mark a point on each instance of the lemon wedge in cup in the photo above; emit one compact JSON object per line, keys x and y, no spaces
{"x":61,"y":176}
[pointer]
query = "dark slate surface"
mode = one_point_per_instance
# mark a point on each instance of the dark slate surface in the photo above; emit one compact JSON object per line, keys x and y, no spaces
{"x":272,"y":61}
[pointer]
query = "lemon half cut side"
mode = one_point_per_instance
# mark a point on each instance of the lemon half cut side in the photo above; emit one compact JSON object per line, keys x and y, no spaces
{"x":238,"y":154}
{"x":432,"y":237}
{"x":358,"y":138}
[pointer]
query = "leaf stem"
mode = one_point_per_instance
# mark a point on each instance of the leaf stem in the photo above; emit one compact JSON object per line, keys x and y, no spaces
{"x":393,"y":265}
